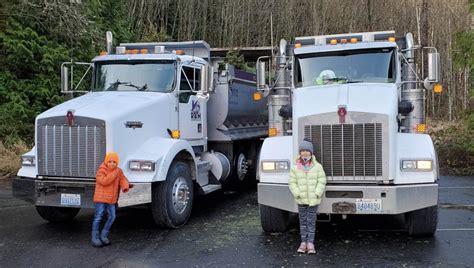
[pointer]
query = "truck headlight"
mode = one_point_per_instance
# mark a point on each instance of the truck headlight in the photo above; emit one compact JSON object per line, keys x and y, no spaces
{"x":417,"y":165}
{"x":141,"y":165}
{"x":28,"y":160}
{"x":269,"y":166}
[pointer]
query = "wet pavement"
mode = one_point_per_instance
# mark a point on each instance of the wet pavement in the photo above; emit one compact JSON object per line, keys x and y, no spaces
{"x":224,"y":230}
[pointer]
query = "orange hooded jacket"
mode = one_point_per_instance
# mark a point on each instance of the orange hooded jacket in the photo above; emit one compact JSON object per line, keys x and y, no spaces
{"x":109,"y":181}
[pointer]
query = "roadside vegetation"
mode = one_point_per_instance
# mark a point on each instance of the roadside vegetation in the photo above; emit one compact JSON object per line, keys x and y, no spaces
{"x":36,"y":36}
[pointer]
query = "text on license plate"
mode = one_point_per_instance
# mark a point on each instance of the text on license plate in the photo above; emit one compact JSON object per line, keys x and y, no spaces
{"x":70,"y":199}
{"x":368,"y":205}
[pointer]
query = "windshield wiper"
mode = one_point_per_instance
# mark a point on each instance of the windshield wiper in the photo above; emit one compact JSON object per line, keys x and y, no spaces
{"x":114,"y":85}
{"x":354,"y":81}
{"x":143,"y":88}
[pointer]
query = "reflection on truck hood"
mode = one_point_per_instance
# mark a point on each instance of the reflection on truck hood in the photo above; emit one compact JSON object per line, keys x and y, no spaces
{"x":360,"y":97}
{"x":106,"y":105}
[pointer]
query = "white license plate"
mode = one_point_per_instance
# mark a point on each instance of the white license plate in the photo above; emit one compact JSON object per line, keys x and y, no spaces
{"x":70,"y":199}
{"x":368,"y":205}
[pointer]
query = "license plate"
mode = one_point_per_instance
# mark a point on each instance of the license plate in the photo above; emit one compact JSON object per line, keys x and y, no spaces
{"x":368,"y":205}
{"x":70,"y":199}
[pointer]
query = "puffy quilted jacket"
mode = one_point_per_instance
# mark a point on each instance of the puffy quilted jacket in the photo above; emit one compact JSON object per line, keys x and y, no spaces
{"x":109,"y":182}
{"x":307,"y":186}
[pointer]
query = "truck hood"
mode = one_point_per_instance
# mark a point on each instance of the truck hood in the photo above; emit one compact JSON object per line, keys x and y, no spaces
{"x":361,"y":97}
{"x":107,"y":105}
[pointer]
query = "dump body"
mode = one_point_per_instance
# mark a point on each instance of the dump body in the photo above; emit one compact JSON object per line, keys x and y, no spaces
{"x":232,"y":112}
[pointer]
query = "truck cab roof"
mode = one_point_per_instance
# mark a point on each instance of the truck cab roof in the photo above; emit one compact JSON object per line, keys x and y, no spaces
{"x":150,"y":56}
{"x":343,"y":47}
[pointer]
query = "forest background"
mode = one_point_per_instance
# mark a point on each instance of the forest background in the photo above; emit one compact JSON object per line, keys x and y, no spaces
{"x":36,"y":36}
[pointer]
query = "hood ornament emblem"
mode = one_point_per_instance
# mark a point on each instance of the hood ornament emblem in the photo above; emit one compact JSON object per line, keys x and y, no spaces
{"x":70,"y":118}
{"x":342,"y":112}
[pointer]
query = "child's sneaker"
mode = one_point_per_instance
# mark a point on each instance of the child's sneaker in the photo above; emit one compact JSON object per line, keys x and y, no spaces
{"x":310,"y":248}
{"x":104,"y":237}
{"x":95,"y":240}
{"x":302,"y":248}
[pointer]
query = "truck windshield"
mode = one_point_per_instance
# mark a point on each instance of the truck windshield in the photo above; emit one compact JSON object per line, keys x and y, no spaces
{"x":340,"y":67}
{"x":158,"y":76}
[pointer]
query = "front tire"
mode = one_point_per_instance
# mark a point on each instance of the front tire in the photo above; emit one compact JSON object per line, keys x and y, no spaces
{"x":172,"y":199}
{"x":57,"y":214}
{"x":422,"y":222}
{"x":274,"y":220}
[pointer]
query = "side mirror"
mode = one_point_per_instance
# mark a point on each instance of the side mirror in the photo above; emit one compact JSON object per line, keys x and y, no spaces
{"x":261,"y":83}
{"x":433,"y":67}
{"x":206,"y":79}
{"x":206,"y":83}
{"x":64,"y":78}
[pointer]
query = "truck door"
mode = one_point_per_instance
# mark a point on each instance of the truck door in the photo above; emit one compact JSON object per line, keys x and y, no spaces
{"x":192,"y":113}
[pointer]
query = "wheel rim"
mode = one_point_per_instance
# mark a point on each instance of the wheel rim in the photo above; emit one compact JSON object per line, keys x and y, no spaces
{"x":242,"y":166}
{"x":180,"y":195}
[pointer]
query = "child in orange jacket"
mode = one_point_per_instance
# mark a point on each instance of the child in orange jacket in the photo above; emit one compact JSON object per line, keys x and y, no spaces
{"x":109,"y":181}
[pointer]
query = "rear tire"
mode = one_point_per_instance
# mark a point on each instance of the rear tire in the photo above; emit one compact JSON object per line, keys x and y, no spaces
{"x":172,"y":199}
{"x":274,"y":220}
{"x":422,"y":222}
{"x":57,"y":214}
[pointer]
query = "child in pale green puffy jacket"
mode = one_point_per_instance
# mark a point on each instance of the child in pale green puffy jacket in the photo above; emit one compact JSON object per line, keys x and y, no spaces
{"x":307,"y":184}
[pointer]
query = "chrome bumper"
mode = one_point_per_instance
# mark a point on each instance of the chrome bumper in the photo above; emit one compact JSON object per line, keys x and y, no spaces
{"x":396,"y":199}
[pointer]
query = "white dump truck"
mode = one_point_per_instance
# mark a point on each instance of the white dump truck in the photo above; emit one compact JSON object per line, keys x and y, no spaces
{"x":358,"y":99}
{"x":181,"y":122}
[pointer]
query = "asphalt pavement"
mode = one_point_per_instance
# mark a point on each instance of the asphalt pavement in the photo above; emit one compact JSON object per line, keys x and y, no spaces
{"x":224,"y":230}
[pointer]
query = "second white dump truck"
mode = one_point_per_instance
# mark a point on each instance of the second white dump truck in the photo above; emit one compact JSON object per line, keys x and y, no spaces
{"x":181,"y":122}
{"x":360,"y":101}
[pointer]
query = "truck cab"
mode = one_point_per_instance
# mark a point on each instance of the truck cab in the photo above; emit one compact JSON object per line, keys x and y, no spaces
{"x":170,"y":112}
{"x":357,"y":99}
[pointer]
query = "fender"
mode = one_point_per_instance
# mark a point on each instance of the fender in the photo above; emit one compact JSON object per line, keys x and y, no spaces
{"x":415,"y":147}
{"x":161,"y":150}
{"x":275,"y":148}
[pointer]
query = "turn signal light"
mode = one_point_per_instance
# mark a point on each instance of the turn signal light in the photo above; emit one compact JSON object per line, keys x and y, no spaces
{"x":257,"y":96}
{"x":272,"y":132}
{"x":421,"y":128}
{"x":175,"y":134}
{"x":438,"y":88}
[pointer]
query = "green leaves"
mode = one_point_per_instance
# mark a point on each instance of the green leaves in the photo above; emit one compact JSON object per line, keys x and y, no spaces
{"x":29,"y":79}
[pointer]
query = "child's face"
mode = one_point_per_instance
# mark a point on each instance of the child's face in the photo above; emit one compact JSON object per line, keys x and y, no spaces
{"x":112,"y":164}
{"x":305,"y":153}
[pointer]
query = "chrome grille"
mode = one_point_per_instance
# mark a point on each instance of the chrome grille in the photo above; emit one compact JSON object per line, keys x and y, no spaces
{"x":348,"y":151}
{"x":75,"y":151}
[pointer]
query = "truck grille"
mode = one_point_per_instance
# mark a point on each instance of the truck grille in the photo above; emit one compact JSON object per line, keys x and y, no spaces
{"x":75,"y":151}
{"x":348,"y":151}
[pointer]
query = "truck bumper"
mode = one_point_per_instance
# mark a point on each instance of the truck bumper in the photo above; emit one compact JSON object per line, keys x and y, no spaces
{"x":49,"y":193}
{"x":342,"y":199}
{"x":54,"y":193}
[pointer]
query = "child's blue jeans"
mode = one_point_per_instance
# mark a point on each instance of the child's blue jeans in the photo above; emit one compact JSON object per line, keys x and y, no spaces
{"x":100,"y":208}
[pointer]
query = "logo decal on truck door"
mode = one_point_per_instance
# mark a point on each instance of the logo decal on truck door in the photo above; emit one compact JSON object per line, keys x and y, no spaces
{"x":195,"y":111}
